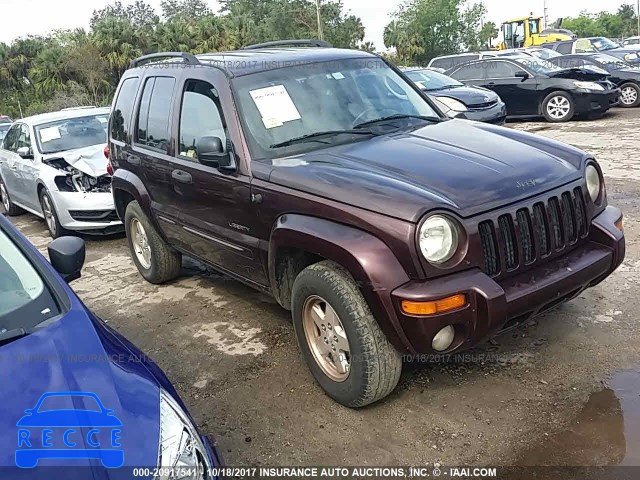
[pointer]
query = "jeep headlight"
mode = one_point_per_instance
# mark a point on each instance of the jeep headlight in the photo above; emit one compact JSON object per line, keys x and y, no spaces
{"x":453,"y":104}
{"x":438,"y":239}
{"x":589,"y":86}
{"x":180,"y":444}
{"x":594,"y":182}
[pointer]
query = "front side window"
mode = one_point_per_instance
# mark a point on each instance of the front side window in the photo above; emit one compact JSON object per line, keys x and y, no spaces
{"x":72,"y":133}
{"x":199,"y":117}
{"x":24,"y":139}
{"x":3,"y":131}
{"x":286,"y":103}
{"x":123,"y":109}
{"x":25,"y":301}
{"x":10,"y":142}
{"x":154,"y":113}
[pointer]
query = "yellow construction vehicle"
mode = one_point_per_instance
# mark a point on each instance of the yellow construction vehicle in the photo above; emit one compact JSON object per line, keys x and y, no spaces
{"x":528,"y":32}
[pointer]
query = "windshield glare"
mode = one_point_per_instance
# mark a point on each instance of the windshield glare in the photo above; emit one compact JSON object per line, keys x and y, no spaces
{"x":430,"y":80}
{"x":24,"y":299}
{"x":538,"y":65}
{"x":286,"y":103}
{"x":72,"y":133}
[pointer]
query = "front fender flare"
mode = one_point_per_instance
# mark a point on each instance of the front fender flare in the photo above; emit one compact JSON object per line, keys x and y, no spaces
{"x":370,"y":262}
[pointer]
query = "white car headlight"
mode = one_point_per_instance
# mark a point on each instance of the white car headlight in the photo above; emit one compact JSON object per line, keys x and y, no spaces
{"x":453,"y":104}
{"x":589,"y":86}
{"x":594,"y":183}
{"x":631,"y":56}
{"x":438,"y":239}
{"x":180,"y":444}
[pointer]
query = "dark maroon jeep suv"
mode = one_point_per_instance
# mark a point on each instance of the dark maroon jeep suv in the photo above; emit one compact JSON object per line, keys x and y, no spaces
{"x":327,"y":179}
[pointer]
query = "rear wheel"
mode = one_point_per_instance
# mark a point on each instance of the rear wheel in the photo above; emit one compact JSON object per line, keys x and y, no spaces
{"x":558,"y":107}
{"x":342,"y":343}
{"x":9,"y":208}
{"x":630,"y":95}
{"x":157,"y":262}
{"x":51,"y":216}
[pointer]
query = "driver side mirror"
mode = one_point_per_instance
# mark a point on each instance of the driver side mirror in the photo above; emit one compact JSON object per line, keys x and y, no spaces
{"x":67,"y":255}
{"x":522,"y":74}
{"x":211,"y":152}
{"x":25,"y":152}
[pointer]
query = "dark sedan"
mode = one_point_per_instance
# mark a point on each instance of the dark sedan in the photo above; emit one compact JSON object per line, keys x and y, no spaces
{"x":628,"y":54}
{"x":623,"y":75}
{"x":533,"y":87}
{"x":475,"y":103}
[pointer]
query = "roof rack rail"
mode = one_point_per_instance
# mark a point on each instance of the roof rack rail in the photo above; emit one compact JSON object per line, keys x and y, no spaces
{"x":290,"y":43}
{"x":188,"y":58}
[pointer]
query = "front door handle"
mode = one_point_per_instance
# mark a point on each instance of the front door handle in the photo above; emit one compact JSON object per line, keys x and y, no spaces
{"x":134,"y":160}
{"x":492,"y":84}
{"x":181,"y":176}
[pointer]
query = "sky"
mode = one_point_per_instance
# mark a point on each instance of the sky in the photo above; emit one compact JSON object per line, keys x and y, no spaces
{"x":23,"y":17}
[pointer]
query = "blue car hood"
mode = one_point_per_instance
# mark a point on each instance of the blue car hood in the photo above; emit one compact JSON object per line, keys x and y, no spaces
{"x":78,"y":353}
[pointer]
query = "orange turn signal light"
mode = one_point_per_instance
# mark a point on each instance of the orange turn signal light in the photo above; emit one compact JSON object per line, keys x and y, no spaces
{"x":432,"y":308}
{"x":619,"y":224}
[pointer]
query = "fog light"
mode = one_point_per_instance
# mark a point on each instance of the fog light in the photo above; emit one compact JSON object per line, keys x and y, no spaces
{"x":443,"y":339}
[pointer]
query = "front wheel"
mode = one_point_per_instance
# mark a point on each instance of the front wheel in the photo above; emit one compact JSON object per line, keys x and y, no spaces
{"x":630,"y":95}
{"x":342,"y":343}
{"x":558,"y":107}
{"x":51,"y":216}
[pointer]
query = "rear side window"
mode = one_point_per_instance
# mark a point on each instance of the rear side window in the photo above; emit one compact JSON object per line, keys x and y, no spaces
{"x":565,"y":48}
{"x":445,"y":63}
{"x":199,"y":117}
{"x":500,"y":70}
{"x":155,"y":109}
{"x":475,"y":71}
{"x":123,"y":108}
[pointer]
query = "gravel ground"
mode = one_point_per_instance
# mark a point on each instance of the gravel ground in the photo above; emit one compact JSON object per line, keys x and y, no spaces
{"x":232,"y":355}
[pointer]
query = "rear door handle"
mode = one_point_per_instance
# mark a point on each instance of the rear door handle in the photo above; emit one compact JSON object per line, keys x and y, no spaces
{"x":492,"y":84}
{"x":181,"y":176}
{"x":134,"y":160}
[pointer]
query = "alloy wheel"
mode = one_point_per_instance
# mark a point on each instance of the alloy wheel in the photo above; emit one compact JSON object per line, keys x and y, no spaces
{"x":141,"y":245}
{"x":327,"y":338}
{"x":558,"y":107}
{"x":629,"y":95}
{"x":47,"y":209}
{"x":5,"y":197}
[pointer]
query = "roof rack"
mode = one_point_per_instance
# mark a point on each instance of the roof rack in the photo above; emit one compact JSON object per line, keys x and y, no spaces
{"x":290,"y":43}
{"x":188,"y":58}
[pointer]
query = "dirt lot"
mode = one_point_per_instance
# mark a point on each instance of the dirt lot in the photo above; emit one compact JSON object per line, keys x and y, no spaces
{"x":232,"y":354}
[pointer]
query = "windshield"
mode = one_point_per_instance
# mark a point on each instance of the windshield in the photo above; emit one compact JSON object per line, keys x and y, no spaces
{"x":611,"y":61}
{"x":602,"y":43}
{"x":72,"y":133}
{"x":4,"y":129}
{"x":545,"y":53}
{"x":430,"y":80}
{"x":292,"y":102}
{"x":25,"y":301}
{"x":539,"y":65}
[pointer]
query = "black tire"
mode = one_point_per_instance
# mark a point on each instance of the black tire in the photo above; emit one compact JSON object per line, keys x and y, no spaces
{"x":51,"y":219}
{"x":558,"y":96}
{"x":631,"y":87}
{"x":375,"y":365}
{"x":10,"y":209}
{"x":165,"y":263}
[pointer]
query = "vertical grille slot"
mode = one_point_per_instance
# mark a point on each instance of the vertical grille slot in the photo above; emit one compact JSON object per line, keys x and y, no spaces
{"x":581,"y":213}
{"x":569,"y":218}
{"x":555,"y":223}
{"x":541,"y":229}
{"x":505,"y":223}
{"x":489,"y":248}
{"x":526,"y":235}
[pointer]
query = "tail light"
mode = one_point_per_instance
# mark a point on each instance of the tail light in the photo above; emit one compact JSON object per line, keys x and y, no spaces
{"x":109,"y":166}
{"x":106,"y":152}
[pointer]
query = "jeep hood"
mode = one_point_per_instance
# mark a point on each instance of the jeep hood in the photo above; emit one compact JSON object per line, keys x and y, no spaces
{"x":89,"y":160}
{"x":464,"y":166}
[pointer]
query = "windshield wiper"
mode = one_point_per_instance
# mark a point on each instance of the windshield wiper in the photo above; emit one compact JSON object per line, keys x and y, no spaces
{"x":398,"y":116}
{"x":11,"y":335}
{"x":315,"y":137}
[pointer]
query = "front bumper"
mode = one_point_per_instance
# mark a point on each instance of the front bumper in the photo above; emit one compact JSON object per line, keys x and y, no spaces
{"x":496,"y":114}
{"x":594,"y":102}
{"x":495,"y":305}
{"x":87,"y":212}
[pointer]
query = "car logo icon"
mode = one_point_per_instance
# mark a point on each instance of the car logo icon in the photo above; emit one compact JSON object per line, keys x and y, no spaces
{"x":69,"y":426}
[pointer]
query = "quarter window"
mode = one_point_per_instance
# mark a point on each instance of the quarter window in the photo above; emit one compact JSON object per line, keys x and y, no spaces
{"x":155,"y":110}
{"x":200,"y":116}
{"x":123,"y":108}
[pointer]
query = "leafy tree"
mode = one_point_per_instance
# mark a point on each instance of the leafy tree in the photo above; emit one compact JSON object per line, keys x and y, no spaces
{"x":186,"y":9}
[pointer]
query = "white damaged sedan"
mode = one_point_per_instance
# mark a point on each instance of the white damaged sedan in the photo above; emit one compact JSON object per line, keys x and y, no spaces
{"x":54,"y":166}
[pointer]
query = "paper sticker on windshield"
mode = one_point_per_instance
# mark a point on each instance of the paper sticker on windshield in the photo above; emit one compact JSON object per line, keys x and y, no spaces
{"x":337,"y":75}
{"x":275,"y":106}
{"x":48,"y":134}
